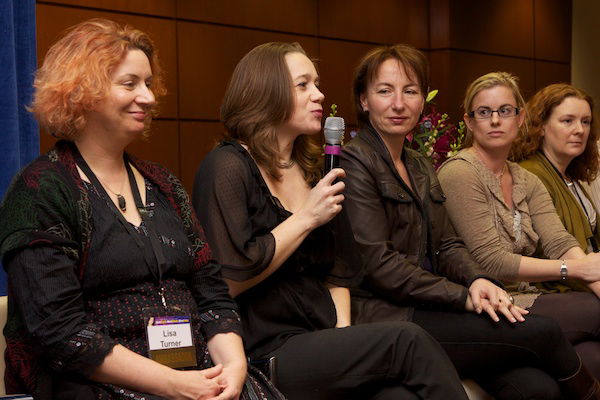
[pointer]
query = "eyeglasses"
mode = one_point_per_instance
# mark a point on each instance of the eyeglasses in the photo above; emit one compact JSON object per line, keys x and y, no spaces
{"x":486,"y":112}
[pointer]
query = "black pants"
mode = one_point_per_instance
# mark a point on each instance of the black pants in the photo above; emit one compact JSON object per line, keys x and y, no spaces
{"x":386,"y":360}
{"x":578,"y":315}
{"x":511,"y":361}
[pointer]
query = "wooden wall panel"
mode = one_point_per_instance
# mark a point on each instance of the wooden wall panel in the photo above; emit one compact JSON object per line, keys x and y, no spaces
{"x":553,"y":30}
{"x":162,"y":146}
{"x":381,"y":21}
{"x":493,"y":26}
{"x":197,"y":139}
{"x":208,"y":54}
{"x":439,"y":24}
{"x":336,"y":68}
{"x":550,"y":72}
{"x":165,"y":8}
{"x":464,"y":67}
{"x":53,"y":20}
{"x":200,"y":41}
{"x":297,"y":16}
{"x":46,"y":141}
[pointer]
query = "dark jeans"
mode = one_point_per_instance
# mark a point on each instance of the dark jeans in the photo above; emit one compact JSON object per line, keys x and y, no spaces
{"x":511,"y":361}
{"x":384,"y":360}
{"x":578,"y":315}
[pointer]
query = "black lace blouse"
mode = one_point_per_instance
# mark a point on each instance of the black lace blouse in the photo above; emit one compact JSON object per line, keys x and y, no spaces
{"x":238,"y":212}
{"x":77,"y":322}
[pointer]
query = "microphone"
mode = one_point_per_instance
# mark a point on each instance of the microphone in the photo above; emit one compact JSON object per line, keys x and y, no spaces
{"x":334,"y":134}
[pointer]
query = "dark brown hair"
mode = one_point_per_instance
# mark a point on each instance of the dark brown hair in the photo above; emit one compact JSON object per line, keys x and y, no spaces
{"x":259,"y":99}
{"x":585,"y":166}
{"x":414,"y":62}
{"x":76,"y":74}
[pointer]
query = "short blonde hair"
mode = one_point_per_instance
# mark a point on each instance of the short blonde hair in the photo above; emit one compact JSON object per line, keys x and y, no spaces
{"x":488,"y":81}
{"x":75,"y":75}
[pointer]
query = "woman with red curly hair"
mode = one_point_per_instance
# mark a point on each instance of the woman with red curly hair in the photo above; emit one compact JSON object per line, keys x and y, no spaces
{"x":560,"y":147}
{"x":112,"y":291}
{"x":506,"y":218}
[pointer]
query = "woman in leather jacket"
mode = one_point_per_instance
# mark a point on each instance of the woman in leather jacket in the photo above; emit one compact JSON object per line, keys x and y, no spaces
{"x":416,"y":267}
{"x":271,"y":221}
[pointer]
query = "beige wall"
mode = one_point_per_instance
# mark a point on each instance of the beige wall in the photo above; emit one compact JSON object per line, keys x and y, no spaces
{"x":585,"y":58}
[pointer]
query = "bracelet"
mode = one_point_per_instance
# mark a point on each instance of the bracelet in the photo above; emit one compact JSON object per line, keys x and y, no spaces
{"x":563,"y":270}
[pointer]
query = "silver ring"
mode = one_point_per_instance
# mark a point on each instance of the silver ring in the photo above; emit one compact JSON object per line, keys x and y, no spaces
{"x":511,"y":299}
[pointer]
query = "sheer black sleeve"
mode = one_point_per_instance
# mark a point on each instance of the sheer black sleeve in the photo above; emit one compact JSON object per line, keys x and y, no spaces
{"x":225,"y":199}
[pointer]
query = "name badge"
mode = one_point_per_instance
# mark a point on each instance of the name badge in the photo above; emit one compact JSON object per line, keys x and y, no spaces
{"x":170,"y":341}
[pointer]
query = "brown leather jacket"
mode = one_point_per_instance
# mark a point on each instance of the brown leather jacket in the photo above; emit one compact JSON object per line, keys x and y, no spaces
{"x":412,"y":257}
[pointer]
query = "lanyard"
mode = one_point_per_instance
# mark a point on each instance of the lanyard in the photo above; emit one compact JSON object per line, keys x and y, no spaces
{"x":145,"y":214}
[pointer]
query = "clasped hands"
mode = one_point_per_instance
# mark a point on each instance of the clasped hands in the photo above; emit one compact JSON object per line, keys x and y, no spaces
{"x":484,"y":296}
{"x":216,"y":383}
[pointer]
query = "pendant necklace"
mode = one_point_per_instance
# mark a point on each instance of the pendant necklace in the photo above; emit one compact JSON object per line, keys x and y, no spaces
{"x":120,"y":199}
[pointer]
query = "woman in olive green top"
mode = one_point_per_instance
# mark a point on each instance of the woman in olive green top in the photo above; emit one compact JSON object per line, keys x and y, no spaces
{"x":561,"y":149}
{"x":506,"y":218}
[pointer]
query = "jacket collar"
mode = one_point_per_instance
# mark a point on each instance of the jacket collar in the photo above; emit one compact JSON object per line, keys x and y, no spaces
{"x":419,"y":180}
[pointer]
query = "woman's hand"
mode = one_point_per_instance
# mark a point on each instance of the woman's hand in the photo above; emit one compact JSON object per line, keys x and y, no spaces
{"x":227,"y":349}
{"x":195,"y":385}
{"x":232,"y":381}
{"x":485,"y":296}
{"x":586,"y":268}
{"x":325,"y":200}
{"x":595,"y":287}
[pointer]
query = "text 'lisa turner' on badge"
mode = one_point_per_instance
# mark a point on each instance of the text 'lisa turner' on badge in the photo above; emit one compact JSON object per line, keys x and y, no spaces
{"x":170,"y":341}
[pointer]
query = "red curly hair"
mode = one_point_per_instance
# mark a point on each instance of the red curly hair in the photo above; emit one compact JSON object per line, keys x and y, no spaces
{"x":540,"y":107}
{"x":75,"y":75}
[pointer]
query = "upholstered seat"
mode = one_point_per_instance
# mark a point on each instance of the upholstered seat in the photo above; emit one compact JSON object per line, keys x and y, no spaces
{"x":3,"y":313}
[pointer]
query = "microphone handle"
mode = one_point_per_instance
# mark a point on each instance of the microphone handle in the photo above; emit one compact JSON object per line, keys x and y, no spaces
{"x":331,"y":161}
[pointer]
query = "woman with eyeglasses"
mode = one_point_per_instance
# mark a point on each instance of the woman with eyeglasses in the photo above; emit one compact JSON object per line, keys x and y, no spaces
{"x":506,"y":217}
{"x":415,"y":266}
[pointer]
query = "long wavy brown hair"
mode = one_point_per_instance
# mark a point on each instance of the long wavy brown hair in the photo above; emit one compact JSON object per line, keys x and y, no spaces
{"x":258,"y":100}
{"x":585,"y":166}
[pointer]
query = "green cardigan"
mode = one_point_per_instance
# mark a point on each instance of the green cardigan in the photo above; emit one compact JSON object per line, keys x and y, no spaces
{"x":567,"y":206}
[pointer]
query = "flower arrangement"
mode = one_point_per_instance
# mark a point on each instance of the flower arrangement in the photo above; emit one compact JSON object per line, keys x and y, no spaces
{"x":435,"y":136}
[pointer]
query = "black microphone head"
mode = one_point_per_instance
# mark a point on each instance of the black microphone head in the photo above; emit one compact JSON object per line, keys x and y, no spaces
{"x":334,"y":130}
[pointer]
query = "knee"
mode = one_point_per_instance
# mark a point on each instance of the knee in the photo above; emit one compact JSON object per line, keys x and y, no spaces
{"x":410,"y":337}
{"x":535,"y":389}
{"x":543,"y":331}
{"x":405,"y":330}
{"x":523,"y":383}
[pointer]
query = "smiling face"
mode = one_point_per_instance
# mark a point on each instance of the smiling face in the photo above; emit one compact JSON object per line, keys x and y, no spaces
{"x":308,"y":111}
{"x":566,"y":132}
{"x":495,"y":133}
{"x":393,"y":100}
{"x":126,"y":110}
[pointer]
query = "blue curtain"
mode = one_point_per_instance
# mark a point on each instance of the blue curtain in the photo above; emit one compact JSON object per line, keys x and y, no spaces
{"x":19,"y":133}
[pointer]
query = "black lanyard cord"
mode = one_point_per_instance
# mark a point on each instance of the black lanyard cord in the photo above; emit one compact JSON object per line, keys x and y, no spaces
{"x":146,"y":216}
